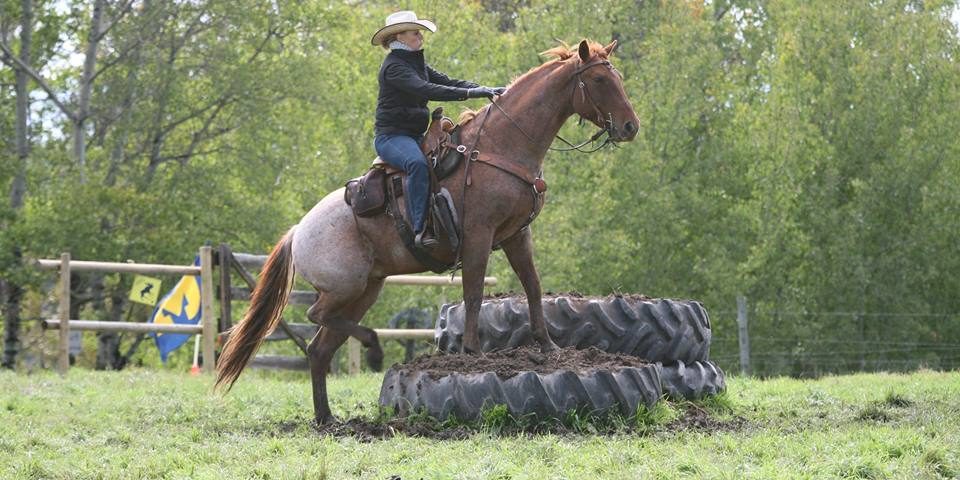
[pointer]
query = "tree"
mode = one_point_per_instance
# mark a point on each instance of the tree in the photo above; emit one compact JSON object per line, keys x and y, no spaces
{"x":10,"y":291}
{"x":800,"y":154}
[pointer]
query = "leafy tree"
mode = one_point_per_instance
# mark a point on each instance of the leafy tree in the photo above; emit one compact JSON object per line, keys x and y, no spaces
{"x":800,"y":154}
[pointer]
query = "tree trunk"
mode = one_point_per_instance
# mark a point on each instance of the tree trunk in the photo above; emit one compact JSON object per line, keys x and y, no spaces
{"x":19,"y":187}
{"x":108,"y":343}
{"x":11,"y":324}
{"x":86,"y":88}
{"x":104,"y":339}
{"x":12,"y":293}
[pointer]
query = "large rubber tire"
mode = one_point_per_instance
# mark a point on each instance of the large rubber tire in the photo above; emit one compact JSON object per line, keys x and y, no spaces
{"x":657,"y":330}
{"x":692,"y":380}
{"x":466,"y":396}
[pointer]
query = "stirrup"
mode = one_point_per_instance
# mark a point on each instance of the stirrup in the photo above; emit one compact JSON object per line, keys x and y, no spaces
{"x":427,"y":242}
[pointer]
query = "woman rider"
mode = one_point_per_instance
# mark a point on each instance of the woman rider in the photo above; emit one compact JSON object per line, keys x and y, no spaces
{"x":406,"y":84}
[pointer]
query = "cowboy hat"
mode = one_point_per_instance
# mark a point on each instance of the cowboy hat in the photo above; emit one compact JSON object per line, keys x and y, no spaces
{"x":400,"y":22}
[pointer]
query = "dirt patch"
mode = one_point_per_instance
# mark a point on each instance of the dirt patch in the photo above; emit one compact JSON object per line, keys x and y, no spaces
{"x":367,"y":431}
{"x":634,"y":297}
{"x":696,"y":418}
{"x":545,"y":296}
{"x":510,"y":362}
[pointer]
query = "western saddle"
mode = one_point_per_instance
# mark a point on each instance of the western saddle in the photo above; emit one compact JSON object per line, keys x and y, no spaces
{"x":379,"y":191}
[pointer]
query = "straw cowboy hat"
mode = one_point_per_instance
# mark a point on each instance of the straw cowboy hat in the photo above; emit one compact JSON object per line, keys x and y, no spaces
{"x":401,"y":22}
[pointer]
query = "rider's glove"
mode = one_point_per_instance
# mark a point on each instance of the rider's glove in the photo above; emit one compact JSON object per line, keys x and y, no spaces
{"x":487,"y":92}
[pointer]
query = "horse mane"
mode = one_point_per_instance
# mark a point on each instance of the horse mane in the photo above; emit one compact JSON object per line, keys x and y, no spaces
{"x":467,"y":115}
{"x":563,"y":51}
{"x":558,"y":54}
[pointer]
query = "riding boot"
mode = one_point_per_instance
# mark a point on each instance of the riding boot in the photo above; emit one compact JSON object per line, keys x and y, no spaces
{"x":424,"y":240}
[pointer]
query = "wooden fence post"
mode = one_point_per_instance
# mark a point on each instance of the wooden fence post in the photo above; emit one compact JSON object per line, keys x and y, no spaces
{"x":63,"y":362}
{"x":353,"y":357}
{"x":206,"y":309}
{"x":744,"y":335}
{"x":226,"y":259}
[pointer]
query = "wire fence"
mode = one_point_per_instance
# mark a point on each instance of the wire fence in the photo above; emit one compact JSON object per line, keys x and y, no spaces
{"x":788,"y":343}
{"x":811,"y":344}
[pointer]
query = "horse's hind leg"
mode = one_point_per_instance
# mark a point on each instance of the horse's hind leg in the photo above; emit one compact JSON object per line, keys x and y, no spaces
{"x":321,"y":350}
{"x":354,"y":313}
{"x":336,"y":314}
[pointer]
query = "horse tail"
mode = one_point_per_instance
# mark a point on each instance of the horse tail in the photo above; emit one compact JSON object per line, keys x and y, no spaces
{"x":264,"y":313}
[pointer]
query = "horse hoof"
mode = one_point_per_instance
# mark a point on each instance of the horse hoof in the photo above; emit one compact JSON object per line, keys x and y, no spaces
{"x":375,"y":360}
{"x":549,"y":346}
{"x":325,"y":420}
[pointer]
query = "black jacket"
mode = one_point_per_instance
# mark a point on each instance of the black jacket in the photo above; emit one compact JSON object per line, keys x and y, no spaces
{"x":406,"y":83}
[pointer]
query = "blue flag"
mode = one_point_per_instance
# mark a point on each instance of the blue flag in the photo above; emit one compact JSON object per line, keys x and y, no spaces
{"x":180,"y":305}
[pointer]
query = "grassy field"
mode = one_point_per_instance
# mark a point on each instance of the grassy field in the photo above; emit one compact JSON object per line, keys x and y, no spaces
{"x":160,"y":424}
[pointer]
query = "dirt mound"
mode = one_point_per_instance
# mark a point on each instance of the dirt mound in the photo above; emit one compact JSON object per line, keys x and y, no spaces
{"x":545,"y":295}
{"x":508,"y":363}
{"x":572,"y":294}
{"x":367,"y":431}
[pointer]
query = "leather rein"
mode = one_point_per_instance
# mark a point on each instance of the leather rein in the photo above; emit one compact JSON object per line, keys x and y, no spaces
{"x":474,"y":154}
{"x":538,"y":186}
{"x":584,"y":95}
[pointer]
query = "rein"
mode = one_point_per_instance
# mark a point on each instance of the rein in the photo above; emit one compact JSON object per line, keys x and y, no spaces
{"x":608,"y":124}
{"x":606,"y":129}
{"x":472,"y":154}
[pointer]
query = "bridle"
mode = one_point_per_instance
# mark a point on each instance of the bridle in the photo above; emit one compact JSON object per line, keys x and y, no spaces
{"x":584,"y":95}
{"x":538,"y":187}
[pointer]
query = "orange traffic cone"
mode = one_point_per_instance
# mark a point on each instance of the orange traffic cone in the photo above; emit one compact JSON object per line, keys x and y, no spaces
{"x":195,"y":368}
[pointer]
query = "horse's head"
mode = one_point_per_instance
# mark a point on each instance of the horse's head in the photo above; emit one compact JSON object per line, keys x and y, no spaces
{"x":598,"y":94}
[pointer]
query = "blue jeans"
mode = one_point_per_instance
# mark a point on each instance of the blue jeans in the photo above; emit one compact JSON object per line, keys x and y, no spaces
{"x":403,"y":152}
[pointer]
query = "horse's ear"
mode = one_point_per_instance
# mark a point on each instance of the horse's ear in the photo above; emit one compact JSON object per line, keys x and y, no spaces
{"x":584,"y":51}
{"x":610,"y":48}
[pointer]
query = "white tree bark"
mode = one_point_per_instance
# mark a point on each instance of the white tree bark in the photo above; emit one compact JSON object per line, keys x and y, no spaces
{"x":86,"y":88}
{"x":19,"y":187}
{"x":11,"y":292}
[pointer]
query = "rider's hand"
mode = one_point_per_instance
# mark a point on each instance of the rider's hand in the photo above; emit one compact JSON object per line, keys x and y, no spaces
{"x":487,"y":92}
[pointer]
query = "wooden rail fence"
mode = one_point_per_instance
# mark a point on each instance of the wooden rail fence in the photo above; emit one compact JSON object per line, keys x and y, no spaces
{"x":209,"y":328}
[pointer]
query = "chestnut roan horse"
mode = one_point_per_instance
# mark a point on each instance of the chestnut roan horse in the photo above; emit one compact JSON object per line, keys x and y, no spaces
{"x":346,"y":258}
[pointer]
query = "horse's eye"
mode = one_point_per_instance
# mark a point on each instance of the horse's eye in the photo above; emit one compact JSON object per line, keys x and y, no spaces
{"x":600,"y":80}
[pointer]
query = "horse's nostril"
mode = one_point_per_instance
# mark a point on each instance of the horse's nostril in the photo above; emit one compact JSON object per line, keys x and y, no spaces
{"x":629,"y":127}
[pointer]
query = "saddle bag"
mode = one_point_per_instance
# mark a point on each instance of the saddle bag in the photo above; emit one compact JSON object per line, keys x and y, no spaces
{"x":367,"y":194}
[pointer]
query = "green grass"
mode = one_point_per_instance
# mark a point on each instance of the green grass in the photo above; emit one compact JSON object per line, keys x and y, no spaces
{"x":160,"y":424}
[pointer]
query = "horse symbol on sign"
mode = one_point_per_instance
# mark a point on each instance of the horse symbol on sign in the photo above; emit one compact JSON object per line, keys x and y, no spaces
{"x":145,"y":290}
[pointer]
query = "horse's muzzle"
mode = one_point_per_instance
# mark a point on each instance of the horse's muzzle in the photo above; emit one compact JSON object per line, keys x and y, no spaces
{"x":625,"y":133}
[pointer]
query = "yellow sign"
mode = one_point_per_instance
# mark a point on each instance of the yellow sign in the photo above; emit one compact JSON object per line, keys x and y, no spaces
{"x":145,"y":290}
{"x":182,"y":304}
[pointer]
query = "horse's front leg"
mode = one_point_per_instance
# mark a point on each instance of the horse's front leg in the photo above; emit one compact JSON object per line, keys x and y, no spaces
{"x":519,"y":251}
{"x":476,"y":254}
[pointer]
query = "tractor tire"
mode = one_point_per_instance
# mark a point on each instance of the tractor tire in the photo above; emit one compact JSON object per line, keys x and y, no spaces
{"x":690,"y":381}
{"x":657,"y":330}
{"x":543,"y":395}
